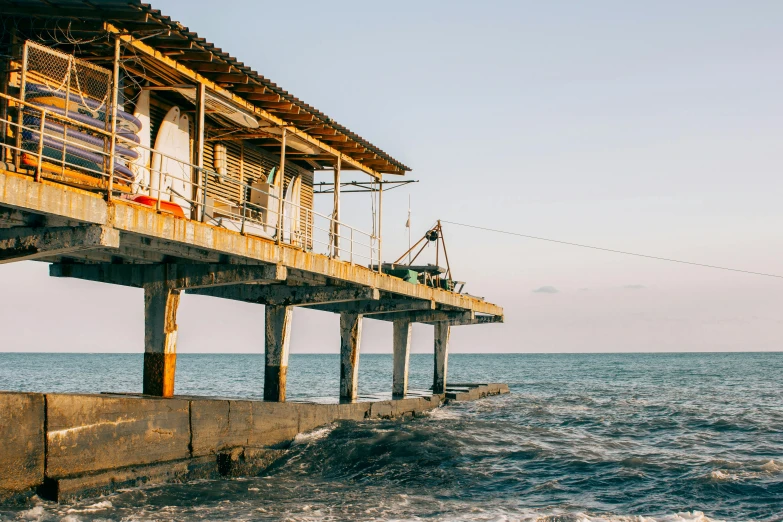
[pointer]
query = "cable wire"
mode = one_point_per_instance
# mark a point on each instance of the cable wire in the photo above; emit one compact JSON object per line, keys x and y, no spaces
{"x":657,"y":258}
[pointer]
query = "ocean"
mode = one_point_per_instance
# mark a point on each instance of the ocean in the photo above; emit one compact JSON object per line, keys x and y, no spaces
{"x":588,"y":437}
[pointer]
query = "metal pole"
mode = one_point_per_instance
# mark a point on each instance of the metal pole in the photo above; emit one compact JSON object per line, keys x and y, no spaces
{"x":336,"y":209}
{"x":67,"y":107}
{"x":201,"y":95}
{"x":281,"y":177}
{"x":19,"y":120}
{"x":310,"y":224}
{"x":380,"y":222}
{"x":410,"y":226}
{"x":203,"y":198}
{"x":114,"y":92}
{"x":41,"y":145}
{"x":242,"y":185}
{"x":160,"y":187}
{"x":244,"y":213}
{"x":5,"y":65}
{"x":437,"y":249}
{"x":445,"y":252}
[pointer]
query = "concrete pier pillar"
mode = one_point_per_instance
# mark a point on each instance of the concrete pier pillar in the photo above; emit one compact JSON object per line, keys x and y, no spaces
{"x":277,"y":340}
{"x":402,"y":346}
{"x":160,"y":339}
{"x":350,"y":341}
{"x":442,"y":334}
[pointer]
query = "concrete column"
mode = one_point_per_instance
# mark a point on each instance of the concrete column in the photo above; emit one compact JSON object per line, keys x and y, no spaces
{"x":402,"y":348}
{"x":278,"y":338}
{"x":350,"y":340}
{"x":442,"y":333}
{"x":160,"y":339}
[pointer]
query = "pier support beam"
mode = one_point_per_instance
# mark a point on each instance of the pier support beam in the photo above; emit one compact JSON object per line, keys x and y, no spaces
{"x":350,"y":341}
{"x":178,"y":276}
{"x":25,"y":243}
{"x":278,"y":339}
{"x":427,"y":316}
{"x":290,"y":295}
{"x":402,"y":347}
{"x":442,"y":334}
{"x":160,"y":338}
{"x":376,"y":306}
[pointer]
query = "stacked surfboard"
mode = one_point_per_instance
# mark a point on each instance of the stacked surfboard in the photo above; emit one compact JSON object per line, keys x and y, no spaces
{"x":165,"y":174}
{"x":81,"y":149}
{"x":292,"y":211}
{"x":162,"y":176}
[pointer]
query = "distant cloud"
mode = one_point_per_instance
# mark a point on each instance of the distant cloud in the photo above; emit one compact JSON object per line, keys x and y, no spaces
{"x":546,"y":290}
{"x":635,"y":287}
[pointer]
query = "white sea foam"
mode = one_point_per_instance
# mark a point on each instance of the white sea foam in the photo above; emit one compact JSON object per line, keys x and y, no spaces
{"x":309,"y":512}
{"x":92,"y":508}
{"x":312,"y":436}
{"x":723,"y":476}
{"x":739,"y":472}
{"x":35,"y":513}
{"x":532,"y":516}
{"x":445,"y":414}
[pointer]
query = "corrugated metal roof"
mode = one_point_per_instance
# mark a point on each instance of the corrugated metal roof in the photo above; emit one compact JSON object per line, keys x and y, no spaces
{"x":124,"y":11}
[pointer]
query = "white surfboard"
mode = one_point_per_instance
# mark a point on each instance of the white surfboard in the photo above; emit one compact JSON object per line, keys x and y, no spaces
{"x":269,"y":214}
{"x":292,"y":211}
{"x":173,"y":140}
{"x":296,"y":198}
{"x":164,"y":142}
{"x":140,"y":166}
{"x":180,"y":186}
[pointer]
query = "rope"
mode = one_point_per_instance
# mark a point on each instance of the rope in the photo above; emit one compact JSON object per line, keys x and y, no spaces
{"x":657,"y":258}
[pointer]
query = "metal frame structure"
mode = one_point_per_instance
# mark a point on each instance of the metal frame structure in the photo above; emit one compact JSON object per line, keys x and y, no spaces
{"x":323,"y":187}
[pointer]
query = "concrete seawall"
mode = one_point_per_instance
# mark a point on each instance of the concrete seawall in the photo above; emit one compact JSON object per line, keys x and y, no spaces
{"x":65,"y":446}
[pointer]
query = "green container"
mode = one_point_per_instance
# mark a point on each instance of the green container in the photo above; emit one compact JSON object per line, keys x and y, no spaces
{"x":409,"y":276}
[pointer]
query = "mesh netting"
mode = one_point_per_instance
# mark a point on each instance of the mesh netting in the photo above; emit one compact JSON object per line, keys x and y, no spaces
{"x":66,"y":86}
{"x":67,"y":81}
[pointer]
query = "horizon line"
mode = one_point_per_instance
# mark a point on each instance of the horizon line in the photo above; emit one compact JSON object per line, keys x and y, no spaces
{"x":418,"y":353}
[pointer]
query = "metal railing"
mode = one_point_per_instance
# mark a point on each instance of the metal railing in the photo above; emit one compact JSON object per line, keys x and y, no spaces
{"x":46,"y":146}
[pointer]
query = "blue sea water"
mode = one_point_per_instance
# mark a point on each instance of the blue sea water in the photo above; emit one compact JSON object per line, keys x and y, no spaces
{"x":631,"y":437}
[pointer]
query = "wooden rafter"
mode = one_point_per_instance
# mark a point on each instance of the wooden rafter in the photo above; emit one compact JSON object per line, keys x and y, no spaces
{"x":230,"y":78}
{"x":265,"y":97}
{"x":194,"y":56}
{"x":211,"y":67}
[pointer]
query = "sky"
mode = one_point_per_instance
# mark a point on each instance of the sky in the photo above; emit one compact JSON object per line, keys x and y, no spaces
{"x":647,"y":127}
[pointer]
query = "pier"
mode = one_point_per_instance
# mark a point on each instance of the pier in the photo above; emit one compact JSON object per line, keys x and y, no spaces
{"x":231,"y":217}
